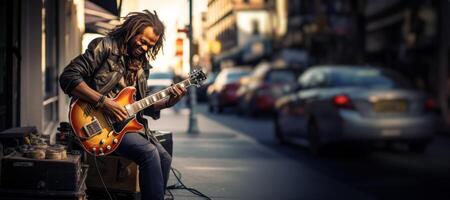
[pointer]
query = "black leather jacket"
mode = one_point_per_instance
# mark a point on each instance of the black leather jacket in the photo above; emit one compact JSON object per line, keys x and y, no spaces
{"x":101,"y":67}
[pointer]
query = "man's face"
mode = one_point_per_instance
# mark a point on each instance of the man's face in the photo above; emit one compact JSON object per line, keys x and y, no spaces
{"x":143,"y":42}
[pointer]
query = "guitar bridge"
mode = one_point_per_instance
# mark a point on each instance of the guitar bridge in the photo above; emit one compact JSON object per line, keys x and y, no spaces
{"x":92,"y":128}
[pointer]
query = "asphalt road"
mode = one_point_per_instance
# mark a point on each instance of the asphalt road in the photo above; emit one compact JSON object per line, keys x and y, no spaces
{"x":382,"y":172}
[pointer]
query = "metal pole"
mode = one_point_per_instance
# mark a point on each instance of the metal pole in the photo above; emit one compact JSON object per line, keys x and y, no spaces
{"x":443,"y":60}
{"x":193,"y":126}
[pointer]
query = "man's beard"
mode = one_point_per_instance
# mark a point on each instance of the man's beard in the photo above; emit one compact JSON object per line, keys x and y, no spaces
{"x":134,"y":50}
{"x":134,"y":64}
{"x":137,"y":52}
{"x":135,"y":58}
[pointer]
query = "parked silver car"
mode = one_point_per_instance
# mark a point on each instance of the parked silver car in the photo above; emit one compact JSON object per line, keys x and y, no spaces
{"x":354,"y":104}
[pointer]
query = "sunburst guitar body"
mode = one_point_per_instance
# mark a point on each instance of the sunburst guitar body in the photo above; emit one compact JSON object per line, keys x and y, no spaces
{"x":99,"y":133}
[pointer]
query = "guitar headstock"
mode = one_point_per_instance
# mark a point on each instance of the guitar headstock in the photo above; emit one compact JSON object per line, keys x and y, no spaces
{"x":196,"y":77}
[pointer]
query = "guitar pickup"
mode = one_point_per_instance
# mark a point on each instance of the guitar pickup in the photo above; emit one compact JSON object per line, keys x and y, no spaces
{"x":93,"y":128}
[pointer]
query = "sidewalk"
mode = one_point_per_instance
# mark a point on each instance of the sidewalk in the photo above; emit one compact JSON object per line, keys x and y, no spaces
{"x":225,"y":164}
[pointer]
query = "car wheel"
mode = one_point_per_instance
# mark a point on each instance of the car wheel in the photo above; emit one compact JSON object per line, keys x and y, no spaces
{"x":278,"y":130}
{"x":210,"y":104}
{"x":417,"y":147}
{"x":240,"y":107}
{"x":314,"y":138}
{"x":213,"y":103}
{"x":210,"y":108}
{"x":250,"y":109}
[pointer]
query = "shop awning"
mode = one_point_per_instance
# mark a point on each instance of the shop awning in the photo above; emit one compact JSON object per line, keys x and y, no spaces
{"x":101,"y":16}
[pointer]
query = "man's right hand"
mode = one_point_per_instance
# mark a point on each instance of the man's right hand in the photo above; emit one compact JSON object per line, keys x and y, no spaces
{"x":115,"y":109}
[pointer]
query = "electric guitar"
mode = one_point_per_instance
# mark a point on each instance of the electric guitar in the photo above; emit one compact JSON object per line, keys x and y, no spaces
{"x":100,"y":134}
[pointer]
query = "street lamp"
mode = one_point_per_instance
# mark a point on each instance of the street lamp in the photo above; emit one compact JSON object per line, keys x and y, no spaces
{"x":193,"y":125}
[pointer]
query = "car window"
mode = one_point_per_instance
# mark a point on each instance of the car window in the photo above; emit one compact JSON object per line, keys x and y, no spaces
{"x":281,"y":76}
{"x":312,"y":78}
{"x":260,"y":70}
{"x":160,"y":75}
{"x":211,"y":78}
{"x":303,"y":80}
{"x":317,"y":80}
{"x":371,"y":78}
{"x":235,"y":76}
{"x":221,"y":77}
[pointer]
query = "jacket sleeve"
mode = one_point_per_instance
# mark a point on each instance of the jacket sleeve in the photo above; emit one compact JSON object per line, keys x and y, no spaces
{"x":150,"y":111}
{"x":83,"y":67}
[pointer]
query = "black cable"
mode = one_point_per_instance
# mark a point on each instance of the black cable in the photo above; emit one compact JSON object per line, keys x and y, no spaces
{"x":182,"y":186}
{"x":170,"y":193}
{"x":101,"y":177}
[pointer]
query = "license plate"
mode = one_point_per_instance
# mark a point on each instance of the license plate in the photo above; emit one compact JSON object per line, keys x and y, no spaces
{"x":391,"y":106}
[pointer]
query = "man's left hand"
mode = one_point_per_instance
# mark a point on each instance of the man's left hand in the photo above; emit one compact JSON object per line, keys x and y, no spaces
{"x":177,"y":93}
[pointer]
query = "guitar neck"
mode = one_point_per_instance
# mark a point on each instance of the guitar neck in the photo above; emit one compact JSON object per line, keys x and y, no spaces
{"x":152,"y":99}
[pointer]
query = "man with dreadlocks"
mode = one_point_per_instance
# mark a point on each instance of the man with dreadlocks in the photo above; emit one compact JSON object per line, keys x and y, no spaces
{"x":112,"y":63}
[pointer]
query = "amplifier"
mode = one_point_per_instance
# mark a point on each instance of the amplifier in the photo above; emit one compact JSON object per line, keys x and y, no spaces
{"x":41,"y":174}
{"x":165,"y":138}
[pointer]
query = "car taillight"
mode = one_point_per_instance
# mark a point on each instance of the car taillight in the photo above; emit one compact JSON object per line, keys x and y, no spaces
{"x":342,"y":101}
{"x":429,"y":104}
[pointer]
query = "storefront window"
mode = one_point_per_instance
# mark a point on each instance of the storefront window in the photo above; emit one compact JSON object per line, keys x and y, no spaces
{"x":50,"y":102}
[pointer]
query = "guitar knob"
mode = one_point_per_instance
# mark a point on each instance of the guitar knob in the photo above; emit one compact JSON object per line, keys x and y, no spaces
{"x":108,"y":147}
{"x":102,"y":141}
{"x":115,"y":141}
{"x":101,"y":150}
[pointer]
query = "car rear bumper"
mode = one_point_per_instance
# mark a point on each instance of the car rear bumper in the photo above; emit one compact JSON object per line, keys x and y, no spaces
{"x":404,"y":128}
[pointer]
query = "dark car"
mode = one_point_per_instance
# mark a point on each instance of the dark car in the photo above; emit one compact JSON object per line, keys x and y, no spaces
{"x":260,"y":90}
{"x":222,"y":92}
{"x":355,"y":105}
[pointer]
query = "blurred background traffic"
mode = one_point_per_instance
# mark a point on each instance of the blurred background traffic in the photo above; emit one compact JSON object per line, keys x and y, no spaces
{"x":289,"y":82}
{"x":322,"y":71}
{"x":297,"y":62}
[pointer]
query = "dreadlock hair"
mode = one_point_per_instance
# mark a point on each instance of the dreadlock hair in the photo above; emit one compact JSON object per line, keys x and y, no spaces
{"x":134,"y":24}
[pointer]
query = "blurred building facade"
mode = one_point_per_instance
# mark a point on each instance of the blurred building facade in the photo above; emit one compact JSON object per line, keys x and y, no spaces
{"x":408,"y":36}
{"x":38,"y":40}
{"x":242,"y":28}
{"x":412,"y":38}
{"x":328,"y":31}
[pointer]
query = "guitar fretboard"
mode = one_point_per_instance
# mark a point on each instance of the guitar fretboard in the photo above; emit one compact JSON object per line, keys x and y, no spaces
{"x":151,"y":99}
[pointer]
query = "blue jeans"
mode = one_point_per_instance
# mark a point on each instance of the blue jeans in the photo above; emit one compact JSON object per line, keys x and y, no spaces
{"x":153,"y":161}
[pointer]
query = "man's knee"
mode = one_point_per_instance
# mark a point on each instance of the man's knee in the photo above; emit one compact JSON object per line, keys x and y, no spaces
{"x":166,"y":159}
{"x":147,"y":154}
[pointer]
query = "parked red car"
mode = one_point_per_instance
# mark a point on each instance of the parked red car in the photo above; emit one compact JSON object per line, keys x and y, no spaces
{"x":264,"y":86}
{"x":222,"y":92}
